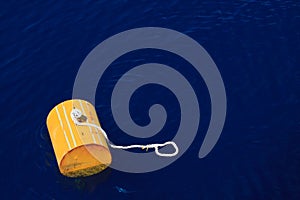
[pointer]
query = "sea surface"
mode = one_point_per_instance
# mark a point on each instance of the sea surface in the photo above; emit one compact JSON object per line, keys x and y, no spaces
{"x":256,"y":46}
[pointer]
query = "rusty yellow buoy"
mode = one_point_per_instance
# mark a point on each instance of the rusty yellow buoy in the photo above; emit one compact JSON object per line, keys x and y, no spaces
{"x":79,"y":150}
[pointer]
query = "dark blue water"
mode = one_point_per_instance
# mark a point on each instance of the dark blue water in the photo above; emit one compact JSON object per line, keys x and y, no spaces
{"x":256,"y":46}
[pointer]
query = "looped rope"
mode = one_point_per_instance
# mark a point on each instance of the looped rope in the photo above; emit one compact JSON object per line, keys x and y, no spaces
{"x":79,"y":119}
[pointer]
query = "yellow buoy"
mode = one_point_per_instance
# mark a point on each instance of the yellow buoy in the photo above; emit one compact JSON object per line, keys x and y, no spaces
{"x":79,"y":150}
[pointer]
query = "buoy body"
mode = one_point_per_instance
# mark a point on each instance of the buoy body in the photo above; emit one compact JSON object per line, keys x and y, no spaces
{"x":79,"y":150}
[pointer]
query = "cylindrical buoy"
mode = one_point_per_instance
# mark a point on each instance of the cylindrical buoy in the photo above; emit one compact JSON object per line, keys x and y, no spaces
{"x":79,"y":150}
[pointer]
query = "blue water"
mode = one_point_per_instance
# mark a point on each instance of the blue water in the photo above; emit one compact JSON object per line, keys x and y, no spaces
{"x":256,"y":46}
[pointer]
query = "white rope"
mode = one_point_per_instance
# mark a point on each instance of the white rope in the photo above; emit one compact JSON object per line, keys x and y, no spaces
{"x":80,"y":120}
